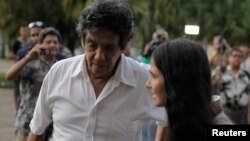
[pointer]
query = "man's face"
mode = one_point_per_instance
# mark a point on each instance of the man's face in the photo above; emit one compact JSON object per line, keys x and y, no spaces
{"x":51,"y":45}
{"x":245,"y":52}
{"x":34,"y":32}
{"x":235,"y":59}
{"x":24,"y":32}
{"x":102,"y":53}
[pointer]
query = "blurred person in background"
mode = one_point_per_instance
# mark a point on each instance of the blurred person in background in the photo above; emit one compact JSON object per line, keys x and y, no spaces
{"x":219,"y":52}
{"x":32,"y":69}
{"x":218,"y":59}
{"x":35,"y":28}
{"x":64,"y":51}
{"x":20,"y":42}
{"x":245,"y":64}
{"x":159,"y":36}
{"x":235,"y":89}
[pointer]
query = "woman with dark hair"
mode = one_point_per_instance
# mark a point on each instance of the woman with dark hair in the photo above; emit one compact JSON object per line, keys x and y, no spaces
{"x":181,"y":81}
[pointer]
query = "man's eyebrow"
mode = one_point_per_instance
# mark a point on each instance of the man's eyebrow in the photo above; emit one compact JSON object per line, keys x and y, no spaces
{"x":110,"y":45}
{"x":90,"y":41}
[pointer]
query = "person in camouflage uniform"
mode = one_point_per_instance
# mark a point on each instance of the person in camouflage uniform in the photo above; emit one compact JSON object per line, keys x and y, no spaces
{"x":32,"y":70}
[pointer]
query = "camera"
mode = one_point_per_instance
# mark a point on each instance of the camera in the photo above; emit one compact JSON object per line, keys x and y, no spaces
{"x":222,"y":39}
{"x":153,"y":46}
{"x":222,"y":47}
{"x":45,"y":51}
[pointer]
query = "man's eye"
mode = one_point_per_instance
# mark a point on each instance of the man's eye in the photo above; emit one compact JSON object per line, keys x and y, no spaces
{"x":91,"y":45}
{"x":48,"y":42}
{"x":110,"y":48}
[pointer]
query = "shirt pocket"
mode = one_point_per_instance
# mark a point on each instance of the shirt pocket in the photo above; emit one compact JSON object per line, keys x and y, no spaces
{"x":123,"y":130}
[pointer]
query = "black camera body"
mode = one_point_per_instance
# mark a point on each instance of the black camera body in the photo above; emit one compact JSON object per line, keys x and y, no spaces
{"x":45,"y":51}
{"x":153,"y":44}
{"x":222,"y":46}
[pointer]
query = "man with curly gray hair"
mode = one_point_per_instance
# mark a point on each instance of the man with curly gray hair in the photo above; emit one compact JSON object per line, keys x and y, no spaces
{"x":99,"y":95}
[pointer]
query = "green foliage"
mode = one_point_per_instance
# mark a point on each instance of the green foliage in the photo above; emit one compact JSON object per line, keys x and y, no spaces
{"x":213,"y":16}
{"x":2,"y":76}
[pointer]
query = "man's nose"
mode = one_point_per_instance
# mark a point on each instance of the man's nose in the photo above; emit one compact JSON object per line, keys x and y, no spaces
{"x":99,"y":54}
{"x":53,"y":44}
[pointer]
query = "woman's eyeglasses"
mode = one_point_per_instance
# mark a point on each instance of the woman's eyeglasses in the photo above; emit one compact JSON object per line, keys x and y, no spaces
{"x":35,"y":24}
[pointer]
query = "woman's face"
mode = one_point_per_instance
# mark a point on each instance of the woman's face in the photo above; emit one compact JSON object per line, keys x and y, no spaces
{"x":156,"y":84}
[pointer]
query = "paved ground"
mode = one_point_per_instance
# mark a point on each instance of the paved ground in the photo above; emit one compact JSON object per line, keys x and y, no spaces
{"x":7,"y":111}
{"x":5,"y":64}
{"x":7,"y":115}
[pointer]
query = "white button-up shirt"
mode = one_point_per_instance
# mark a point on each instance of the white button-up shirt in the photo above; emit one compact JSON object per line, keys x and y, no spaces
{"x":68,"y":99}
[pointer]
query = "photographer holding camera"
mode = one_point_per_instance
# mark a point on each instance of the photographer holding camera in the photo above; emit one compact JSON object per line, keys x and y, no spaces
{"x":218,"y":59}
{"x":159,"y":36}
{"x":32,"y":69}
{"x":219,"y":52}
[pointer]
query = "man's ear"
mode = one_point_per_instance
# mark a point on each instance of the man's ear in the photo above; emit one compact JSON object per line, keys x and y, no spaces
{"x":82,"y":42}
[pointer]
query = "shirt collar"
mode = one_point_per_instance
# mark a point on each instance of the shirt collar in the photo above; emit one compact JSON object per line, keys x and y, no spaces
{"x":80,"y":67}
{"x":124,"y":72}
{"x":240,"y":71}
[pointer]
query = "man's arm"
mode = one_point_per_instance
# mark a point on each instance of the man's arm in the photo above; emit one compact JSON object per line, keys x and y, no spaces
{"x":161,"y":133}
{"x":14,"y":71}
{"x":146,"y":49}
{"x":33,"y":137}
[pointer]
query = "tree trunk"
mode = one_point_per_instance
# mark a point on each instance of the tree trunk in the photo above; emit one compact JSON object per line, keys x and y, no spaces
{"x":151,"y":7}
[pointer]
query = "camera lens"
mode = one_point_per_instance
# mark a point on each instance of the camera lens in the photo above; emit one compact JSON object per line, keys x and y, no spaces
{"x":45,"y":51}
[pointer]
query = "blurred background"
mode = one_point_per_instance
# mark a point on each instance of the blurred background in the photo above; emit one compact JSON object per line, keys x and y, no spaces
{"x":212,"y":16}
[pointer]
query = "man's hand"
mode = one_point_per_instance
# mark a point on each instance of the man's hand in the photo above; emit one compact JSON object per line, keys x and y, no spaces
{"x":217,"y":78}
{"x":161,"y":133}
{"x":33,"y":137}
{"x":34,"y":52}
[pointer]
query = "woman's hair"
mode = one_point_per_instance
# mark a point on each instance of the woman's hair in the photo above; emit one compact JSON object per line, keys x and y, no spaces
{"x":113,"y":15}
{"x":187,"y":77}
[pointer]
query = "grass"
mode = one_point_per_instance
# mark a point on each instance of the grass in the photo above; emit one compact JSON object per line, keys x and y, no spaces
{"x":2,"y":75}
{"x":5,"y":83}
